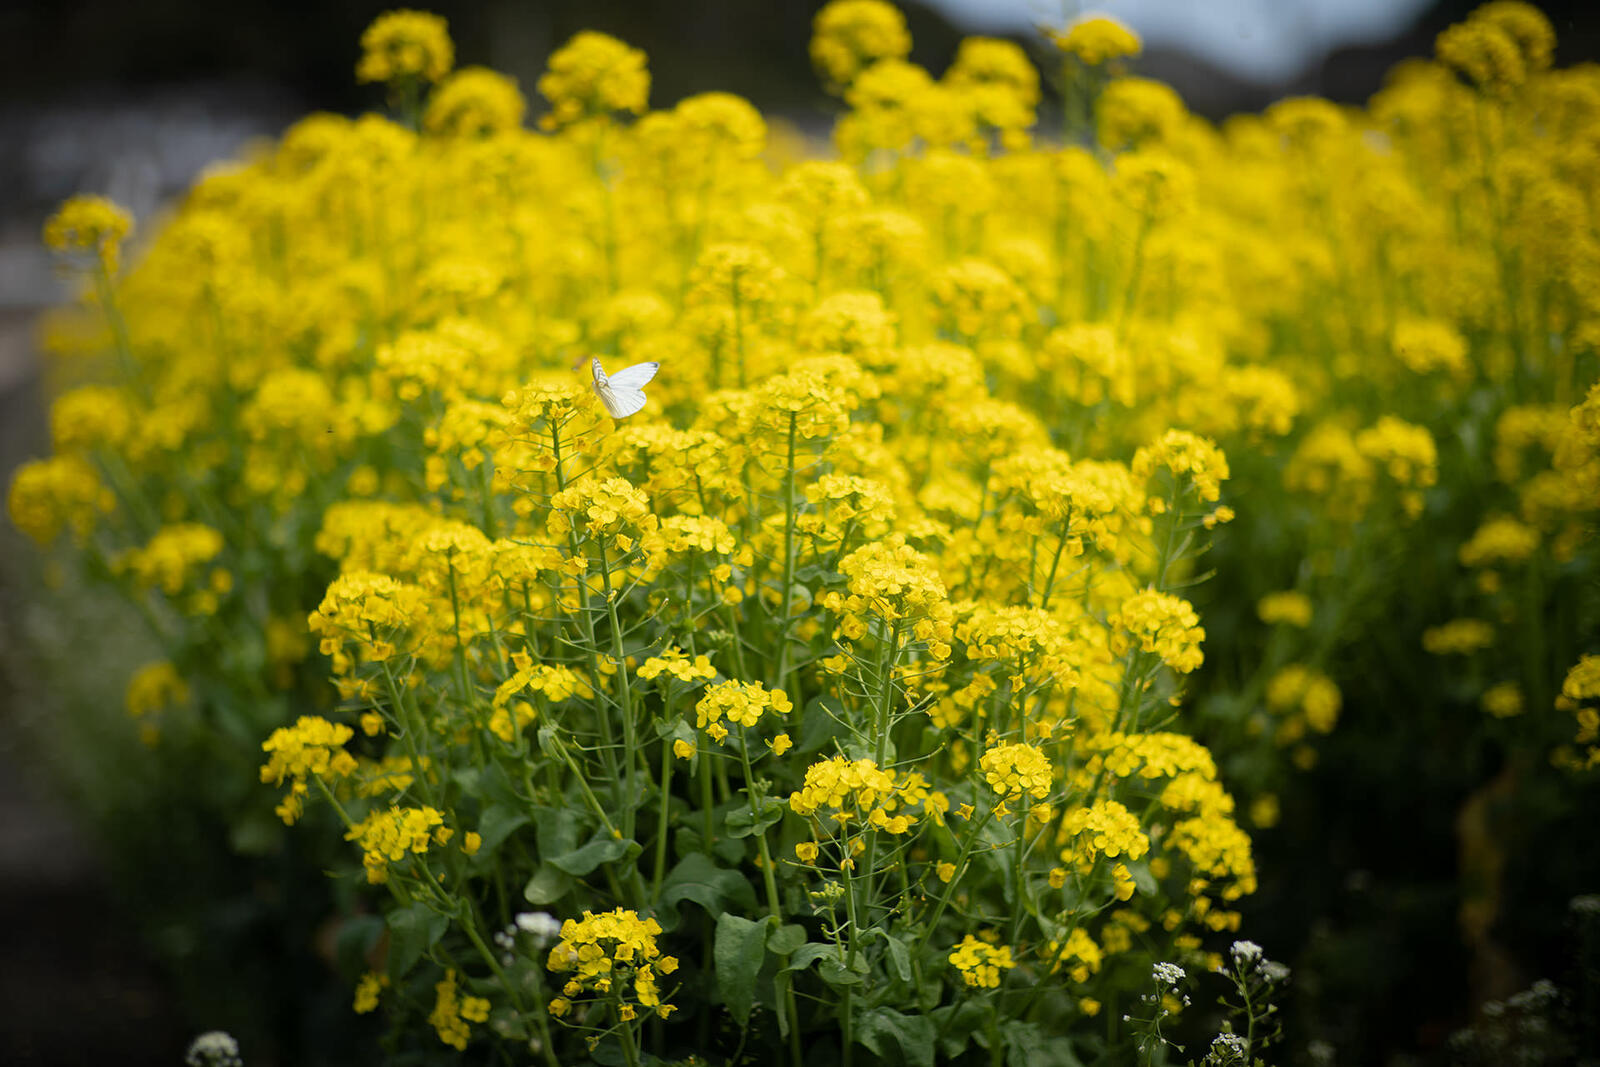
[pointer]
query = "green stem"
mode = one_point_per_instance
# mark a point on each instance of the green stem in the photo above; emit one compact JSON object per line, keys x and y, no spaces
{"x":1050,"y":580}
{"x":625,"y":691}
{"x":950,"y":888}
{"x":788,"y":556}
{"x":661,"y":818}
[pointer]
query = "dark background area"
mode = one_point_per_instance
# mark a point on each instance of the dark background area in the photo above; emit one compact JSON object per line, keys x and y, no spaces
{"x":134,"y":99}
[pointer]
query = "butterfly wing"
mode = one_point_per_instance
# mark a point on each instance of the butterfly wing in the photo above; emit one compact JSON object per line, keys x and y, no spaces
{"x":620,"y":402}
{"x":635,"y":376}
{"x":621,"y":392}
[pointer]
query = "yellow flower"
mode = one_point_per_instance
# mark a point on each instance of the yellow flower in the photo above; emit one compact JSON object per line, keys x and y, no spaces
{"x":1017,"y":768}
{"x":980,"y":963}
{"x":611,"y":953}
{"x":850,"y":35}
{"x":593,"y":75}
{"x":739,"y":702}
{"x":89,"y":224}
{"x":368,"y":990}
{"x":1163,"y":624}
{"x":1097,"y":39}
{"x":1289,"y":608}
{"x":806,"y":852}
{"x":405,"y":44}
{"x":474,"y":102}
{"x":387,"y":836}
{"x":63,"y":492}
{"x":683,"y":749}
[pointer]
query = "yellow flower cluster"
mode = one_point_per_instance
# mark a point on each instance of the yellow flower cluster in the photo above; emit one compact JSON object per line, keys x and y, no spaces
{"x":894,"y":583}
{"x":63,"y":492}
{"x":154,"y":688}
{"x":89,"y":224}
{"x":387,"y":835}
{"x":474,"y":102}
{"x":1018,"y":769}
{"x":849,"y":36}
{"x":603,"y":954}
{"x":169,"y":561}
{"x":452,"y":1012}
{"x":405,"y":44}
{"x":1105,"y":828}
{"x":1310,"y":699}
{"x":1096,"y":39}
{"x":742,"y":703}
{"x":675,"y":663}
{"x":981,"y":962}
{"x":363,"y":615}
{"x":593,"y":76}
{"x":1458,"y":637}
{"x":1580,"y":691}
{"x":312,"y":747}
{"x":1163,"y":624}
{"x":1194,"y":460}
{"x":853,"y":791}
{"x":1286,"y":608}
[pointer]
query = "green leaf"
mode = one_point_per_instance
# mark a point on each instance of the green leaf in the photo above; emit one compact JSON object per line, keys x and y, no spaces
{"x":818,"y":724}
{"x":496,"y":787}
{"x":1028,"y":1045}
{"x":899,"y":956}
{"x":716,"y":889}
{"x":255,"y":834}
{"x":548,"y":885}
{"x":1143,"y":880}
{"x":602,"y":848}
{"x":355,"y":939}
{"x":741,"y":945}
{"x":412,"y":931}
{"x":956,"y":1023}
{"x":785,"y":939}
{"x":742,"y":824}
{"x":837,"y":974}
{"x":558,"y":830}
{"x":687,"y":840}
{"x":806,"y":955}
{"x":897,"y":1038}
{"x":780,"y":992}
{"x":675,"y":730}
{"x":497,"y":823}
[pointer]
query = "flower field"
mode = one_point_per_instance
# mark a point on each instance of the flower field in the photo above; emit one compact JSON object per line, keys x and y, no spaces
{"x":1026,"y":530}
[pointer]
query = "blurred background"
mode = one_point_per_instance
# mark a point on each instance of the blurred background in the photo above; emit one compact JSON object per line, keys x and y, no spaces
{"x":133,"y":100}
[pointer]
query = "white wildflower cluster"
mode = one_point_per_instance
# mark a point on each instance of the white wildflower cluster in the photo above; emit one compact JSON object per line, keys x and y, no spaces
{"x":1227,"y":1050}
{"x":1167,"y":975}
{"x":541,"y":928}
{"x":1249,"y":961}
{"x":214,"y":1048}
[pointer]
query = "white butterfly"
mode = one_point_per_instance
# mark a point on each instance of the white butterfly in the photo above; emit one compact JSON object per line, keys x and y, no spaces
{"x":623,"y":392}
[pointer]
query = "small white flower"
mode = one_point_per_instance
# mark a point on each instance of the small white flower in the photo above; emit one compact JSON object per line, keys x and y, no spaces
{"x":543,"y":927}
{"x":1228,"y":1049}
{"x":1246,"y":954}
{"x":1167,"y":974}
{"x":215,"y":1048}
